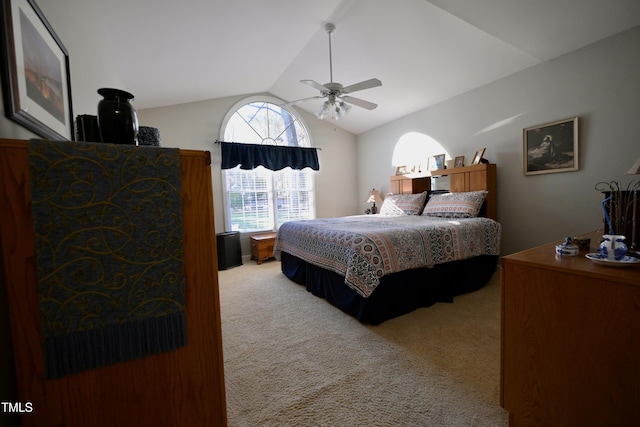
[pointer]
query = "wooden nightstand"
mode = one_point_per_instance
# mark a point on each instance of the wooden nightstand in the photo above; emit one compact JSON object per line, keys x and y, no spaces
{"x":262,"y":246}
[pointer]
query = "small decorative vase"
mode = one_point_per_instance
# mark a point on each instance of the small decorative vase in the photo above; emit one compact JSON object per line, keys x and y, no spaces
{"x":117,"y":119}
{"x":148,"y":136}
{"x":613,"y":247}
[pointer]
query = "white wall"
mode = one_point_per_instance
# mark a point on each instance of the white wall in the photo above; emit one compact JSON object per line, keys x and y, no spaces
{"x":599,"y":84}
{"x":193,"y":125}
{"x":78,"y":25}
{"x":197,"y":125}
{"x":92,"y":66}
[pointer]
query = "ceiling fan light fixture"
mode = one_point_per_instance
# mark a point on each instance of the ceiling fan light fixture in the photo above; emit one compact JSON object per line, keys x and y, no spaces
{"x":341,"y":109}
{"x":335,"y":107}
{"x":325,"y":108}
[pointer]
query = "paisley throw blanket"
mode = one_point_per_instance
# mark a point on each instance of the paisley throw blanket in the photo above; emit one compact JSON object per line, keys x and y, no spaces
{"x":364,"y":248}
{"x":108,"y":226}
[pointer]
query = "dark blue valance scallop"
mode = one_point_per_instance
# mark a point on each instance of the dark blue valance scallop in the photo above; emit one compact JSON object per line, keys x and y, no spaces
{"x":273,"y":157}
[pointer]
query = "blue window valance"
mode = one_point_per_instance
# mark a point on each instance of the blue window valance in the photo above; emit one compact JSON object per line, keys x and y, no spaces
{"x":273,"y":157}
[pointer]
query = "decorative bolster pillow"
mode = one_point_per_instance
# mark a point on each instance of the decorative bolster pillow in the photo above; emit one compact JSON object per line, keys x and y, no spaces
{"x":455,"y":205}
{"x":403,"y":204}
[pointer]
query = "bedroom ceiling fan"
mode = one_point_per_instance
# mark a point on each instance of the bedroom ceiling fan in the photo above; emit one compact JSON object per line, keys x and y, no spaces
{"x":337,"y":101}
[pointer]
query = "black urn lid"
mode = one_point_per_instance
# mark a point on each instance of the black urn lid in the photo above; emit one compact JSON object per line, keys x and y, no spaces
{"x":105,"y":91}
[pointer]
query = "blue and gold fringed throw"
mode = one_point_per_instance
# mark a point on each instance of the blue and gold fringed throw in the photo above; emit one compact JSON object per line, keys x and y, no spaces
{"x":108,"y":226}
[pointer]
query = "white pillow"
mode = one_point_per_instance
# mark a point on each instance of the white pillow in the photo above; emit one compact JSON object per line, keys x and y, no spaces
{"x":403,"y":204}
{"x":455,"y":205}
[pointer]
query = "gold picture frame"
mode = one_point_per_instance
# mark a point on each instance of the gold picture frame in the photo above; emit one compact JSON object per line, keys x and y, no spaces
{"x":477,"y":158}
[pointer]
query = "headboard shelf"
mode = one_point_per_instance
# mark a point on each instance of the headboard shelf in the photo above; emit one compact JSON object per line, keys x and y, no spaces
{"x":466,"y":178}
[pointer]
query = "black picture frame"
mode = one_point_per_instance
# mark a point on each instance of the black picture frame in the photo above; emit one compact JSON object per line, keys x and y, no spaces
{"x":36,"y":83}
{"x":551,"y":147}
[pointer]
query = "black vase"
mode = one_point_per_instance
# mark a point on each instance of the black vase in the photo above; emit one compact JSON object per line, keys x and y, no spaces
{"x":117,"y":119}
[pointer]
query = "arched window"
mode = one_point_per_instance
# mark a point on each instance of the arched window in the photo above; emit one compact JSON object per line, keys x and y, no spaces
{"x":261,"y":199}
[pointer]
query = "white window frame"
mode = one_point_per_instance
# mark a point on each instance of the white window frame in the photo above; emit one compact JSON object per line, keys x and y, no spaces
{"x":271,"y":186}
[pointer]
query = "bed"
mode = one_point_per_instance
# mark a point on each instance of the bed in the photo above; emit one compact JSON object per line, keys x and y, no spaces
{"x":418,"y":251}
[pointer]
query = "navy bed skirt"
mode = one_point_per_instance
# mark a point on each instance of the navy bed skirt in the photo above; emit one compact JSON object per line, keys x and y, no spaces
{"x":398,"y":293}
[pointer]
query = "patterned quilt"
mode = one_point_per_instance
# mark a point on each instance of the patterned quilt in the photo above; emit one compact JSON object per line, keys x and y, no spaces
{"x":364,"y":248}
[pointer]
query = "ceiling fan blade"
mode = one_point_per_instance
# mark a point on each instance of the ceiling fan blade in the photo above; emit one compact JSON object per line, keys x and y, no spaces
{"x":316,"y":85}
{"x":300,"y":100}
{"x":367,"y":84}
{"x":359,"y":102}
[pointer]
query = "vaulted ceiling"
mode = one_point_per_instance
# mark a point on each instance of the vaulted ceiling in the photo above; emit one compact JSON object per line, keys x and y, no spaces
{"x":424,"y":52}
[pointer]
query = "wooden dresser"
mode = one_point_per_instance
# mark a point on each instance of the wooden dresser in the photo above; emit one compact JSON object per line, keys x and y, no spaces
{"x":183,"y":387}
{"x":570,"y":340}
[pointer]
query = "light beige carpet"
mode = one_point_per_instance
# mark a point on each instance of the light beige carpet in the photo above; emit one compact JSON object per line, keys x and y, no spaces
{"x":292,"y":359}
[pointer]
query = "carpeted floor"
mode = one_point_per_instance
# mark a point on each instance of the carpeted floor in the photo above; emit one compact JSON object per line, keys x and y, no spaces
{"x":292,"y":359}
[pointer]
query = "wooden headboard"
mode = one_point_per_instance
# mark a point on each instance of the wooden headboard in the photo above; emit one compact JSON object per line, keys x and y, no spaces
{"x":466,"y":178}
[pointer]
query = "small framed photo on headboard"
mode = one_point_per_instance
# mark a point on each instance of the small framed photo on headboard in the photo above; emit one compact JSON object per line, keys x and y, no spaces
{"x":477,"y":158}
{"x":436,"y":162}
{"x":401,"y":170}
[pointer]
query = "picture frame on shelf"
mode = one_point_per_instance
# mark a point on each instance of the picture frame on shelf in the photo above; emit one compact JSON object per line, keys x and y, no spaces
{"x":550,"y":147}
{"x":459,"y":162}
{"x":36,"y":83}
{"x":477,"y":158}
{"x":401,"y":170}
{"x":436,"y":162}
